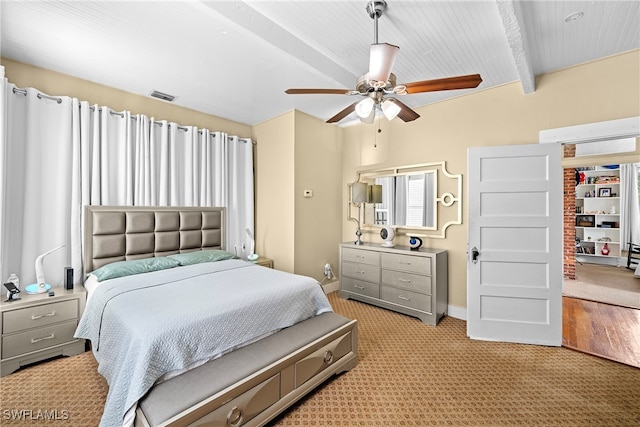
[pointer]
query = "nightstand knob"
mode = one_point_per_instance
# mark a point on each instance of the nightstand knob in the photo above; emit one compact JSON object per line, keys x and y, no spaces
{"x":328,"y":357}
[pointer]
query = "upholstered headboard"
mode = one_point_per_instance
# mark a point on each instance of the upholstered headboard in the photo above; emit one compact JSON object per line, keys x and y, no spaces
{"x":119,"y":233}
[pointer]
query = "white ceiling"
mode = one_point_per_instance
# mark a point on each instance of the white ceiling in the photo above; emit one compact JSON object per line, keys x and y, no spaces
{"x":235,"y":59}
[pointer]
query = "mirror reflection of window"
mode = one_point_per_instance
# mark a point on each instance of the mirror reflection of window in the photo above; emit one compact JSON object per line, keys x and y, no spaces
{"x":407,"y":200}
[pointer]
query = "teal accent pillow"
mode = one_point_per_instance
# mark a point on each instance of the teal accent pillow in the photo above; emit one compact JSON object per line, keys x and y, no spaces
{"x":136,"y":266}
{"x":207,"y":255}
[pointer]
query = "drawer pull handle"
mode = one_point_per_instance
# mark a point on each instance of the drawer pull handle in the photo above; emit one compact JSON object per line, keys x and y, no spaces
{"x":404,"y":298}
{"x":39,"y":316}
{"x":360,"y":256}
{"x":35,"y":340}
{"x":405,"y":263}
{"x":328,"y":357}
{"x":361,"y":272}
{"x":234,"y":418}
{"x":359,"y":287}
{"x":404,"y":280}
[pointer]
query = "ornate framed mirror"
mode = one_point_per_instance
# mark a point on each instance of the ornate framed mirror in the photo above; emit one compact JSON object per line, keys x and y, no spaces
{"x":418,"y":200}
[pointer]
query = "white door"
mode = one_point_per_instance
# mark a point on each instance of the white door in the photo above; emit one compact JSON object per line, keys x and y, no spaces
{"x":514,"y":266}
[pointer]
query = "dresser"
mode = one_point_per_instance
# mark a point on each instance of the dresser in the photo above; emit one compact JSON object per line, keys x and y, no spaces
{"x":38,"y":327}
{"x":412,"y":282}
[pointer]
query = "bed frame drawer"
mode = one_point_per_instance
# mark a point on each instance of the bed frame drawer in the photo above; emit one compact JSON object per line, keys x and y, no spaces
{"x":320,"y":359}
{"x":244,"y":407}
{"x":34,"y":317}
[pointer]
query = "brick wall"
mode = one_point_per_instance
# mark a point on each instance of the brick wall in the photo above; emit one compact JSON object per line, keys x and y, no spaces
{"x":569,"y":216}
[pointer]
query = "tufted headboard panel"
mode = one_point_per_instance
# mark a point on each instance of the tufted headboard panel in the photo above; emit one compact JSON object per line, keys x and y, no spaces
{"x":119,"y":233}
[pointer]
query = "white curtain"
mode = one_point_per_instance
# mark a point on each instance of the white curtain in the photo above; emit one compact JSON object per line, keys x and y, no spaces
{"x":59,"y":154}
{"x":629,"y":209}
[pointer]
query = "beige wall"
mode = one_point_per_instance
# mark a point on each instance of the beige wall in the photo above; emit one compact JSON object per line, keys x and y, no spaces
{"x":318,"y":167}
{"x":275,"y":177}
{"x":603,"y":90}
{"x":52,"y":83}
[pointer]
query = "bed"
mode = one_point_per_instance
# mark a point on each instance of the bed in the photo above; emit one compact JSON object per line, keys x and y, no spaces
{"x":186,"y":333}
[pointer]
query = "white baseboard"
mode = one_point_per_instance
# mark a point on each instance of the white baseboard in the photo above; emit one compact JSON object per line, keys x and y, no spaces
{"x":457,"y":312}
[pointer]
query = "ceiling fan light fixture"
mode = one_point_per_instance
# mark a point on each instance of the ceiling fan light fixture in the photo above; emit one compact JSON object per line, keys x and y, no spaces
{"x":364,"y":108}
{"x":381,"y":59}
{"x":390,"y":109}
{"x":370,"y":118}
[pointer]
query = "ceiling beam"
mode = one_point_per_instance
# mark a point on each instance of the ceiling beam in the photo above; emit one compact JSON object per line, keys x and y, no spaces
{"x":249,"y":19}
{"x":516,"y":36}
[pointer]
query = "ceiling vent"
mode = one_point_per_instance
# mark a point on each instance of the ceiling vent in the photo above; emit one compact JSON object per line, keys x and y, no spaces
{"x":163,"y":96}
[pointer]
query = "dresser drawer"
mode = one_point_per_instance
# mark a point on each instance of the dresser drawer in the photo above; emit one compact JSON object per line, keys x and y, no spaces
{"x":406,"y":298}
{"x":360,"y":256}
{"x":409,"y":263}
{"x":40,"y":315}
{"x":360,"y":287}
{"x":37,"y":339}
{"x":408,"y":281}
{"x":366,"y":272}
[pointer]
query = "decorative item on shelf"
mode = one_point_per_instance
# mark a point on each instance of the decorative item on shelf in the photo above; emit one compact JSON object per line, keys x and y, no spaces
{"x":40,"y":286}
{"x":605,"y":249}
{"x":604,"y":192}
{"x":387,"y":234}
{"x":612,"y":211}
{"x":604,"y":239}
{"x":415,"y":243}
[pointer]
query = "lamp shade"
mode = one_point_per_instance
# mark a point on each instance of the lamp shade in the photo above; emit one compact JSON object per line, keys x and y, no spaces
{"x":359,"y":192}
{"x":381,"y":59}
{"x":390,"y":109}
{"x":375,"y":193}
{"x":364,"y":108}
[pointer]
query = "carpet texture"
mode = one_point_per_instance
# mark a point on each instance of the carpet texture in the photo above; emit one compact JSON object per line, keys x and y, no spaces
{"x":409,"y":374}
{"x":604,"y":283}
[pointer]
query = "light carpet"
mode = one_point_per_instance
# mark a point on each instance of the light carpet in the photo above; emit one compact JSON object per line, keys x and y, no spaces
{"x":409,"y":374}
{"x":604,"y":283}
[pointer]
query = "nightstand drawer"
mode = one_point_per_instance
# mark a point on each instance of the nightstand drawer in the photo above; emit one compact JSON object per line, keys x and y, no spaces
{"x":360,"y":256}
{"x":40,"y":315}
{"x":408,"y":281}
{"x":412,"y":264}
{"x":406,"y":298}
{"x":367,"y":272}
{"x":37,"y":339}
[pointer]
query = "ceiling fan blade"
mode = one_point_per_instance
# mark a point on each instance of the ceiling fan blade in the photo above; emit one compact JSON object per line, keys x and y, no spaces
{"x":449,"y":83}
{"x":382,"y":56}
{"x":406,"y":114}
{"x":317,"y":91}
{"x":344,"y":113}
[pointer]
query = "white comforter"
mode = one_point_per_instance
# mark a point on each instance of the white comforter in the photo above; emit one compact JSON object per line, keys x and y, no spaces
{"x":145,"y":326}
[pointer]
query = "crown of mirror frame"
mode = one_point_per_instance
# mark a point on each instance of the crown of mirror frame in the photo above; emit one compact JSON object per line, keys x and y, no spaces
{"x":417,"y":200}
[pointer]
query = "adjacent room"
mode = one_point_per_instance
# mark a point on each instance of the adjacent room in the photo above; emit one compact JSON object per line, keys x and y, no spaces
{"x":320,"y":213}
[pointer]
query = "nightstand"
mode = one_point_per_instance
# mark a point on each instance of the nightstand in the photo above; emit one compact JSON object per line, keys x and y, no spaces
{"x":38,"y":327}
{"x":265,"y":262}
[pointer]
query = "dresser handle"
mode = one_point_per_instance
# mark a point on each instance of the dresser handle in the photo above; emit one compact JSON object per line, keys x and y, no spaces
{"x":359,"y":287}
{"x":361,"y":272}
{"x":404,"y":298}
{"x":400,"y":279}
{"x":34,"y":317}
{"x":35,"y":340}
{"x":405,"y":263}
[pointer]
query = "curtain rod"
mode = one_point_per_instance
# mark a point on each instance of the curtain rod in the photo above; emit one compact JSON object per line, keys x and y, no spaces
{"x":115,"y":113}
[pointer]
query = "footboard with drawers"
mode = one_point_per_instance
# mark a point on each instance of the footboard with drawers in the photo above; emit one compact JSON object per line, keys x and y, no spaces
{"x":412,"y":282}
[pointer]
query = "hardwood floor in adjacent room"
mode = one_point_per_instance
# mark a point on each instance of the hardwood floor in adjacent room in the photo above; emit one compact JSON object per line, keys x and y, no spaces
{"x":603,"y":330}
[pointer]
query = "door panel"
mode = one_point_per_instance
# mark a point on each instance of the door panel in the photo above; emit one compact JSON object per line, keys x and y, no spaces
{"x":514,"y":289}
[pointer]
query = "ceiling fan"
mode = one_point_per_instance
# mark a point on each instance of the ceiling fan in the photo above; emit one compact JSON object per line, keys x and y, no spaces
{"x":380,"y":82}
